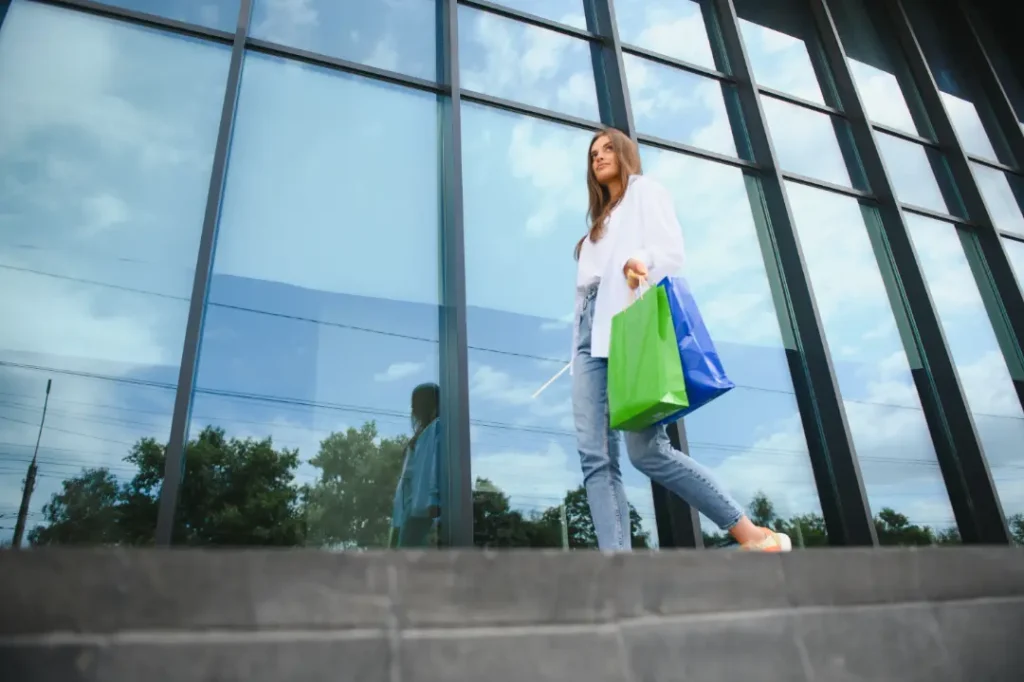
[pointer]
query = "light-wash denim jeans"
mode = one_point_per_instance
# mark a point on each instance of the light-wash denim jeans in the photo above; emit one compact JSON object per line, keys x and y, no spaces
{"x":649,"y":450}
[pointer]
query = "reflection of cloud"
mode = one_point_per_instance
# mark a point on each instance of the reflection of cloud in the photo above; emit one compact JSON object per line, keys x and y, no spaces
{"x":285,"y":21}
{"x":104,"y":211}
{"x":672,"y":28}
{"x":399,"y":370}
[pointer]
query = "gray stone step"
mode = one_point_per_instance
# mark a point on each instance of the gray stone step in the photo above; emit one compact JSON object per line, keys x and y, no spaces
{"x":144,"y":616}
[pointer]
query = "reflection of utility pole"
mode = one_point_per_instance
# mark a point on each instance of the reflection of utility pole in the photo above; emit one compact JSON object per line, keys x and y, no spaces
{"x":30,"y":478}
{"x":565,"y":529}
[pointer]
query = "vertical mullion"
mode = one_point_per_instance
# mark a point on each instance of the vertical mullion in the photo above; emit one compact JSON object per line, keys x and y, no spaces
{"x":4,"y":4}
{"x":457,"y":530}
{"x":678,"y":524}
{"x":959,"y":450}
{"x":992,"y":89}
{"x":174,"y":464}
{"x":833,"y":458}
{"x":993,"y":272}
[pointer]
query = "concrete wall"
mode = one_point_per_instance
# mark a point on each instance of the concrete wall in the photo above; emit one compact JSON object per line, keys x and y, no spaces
{"x":291,"y":616}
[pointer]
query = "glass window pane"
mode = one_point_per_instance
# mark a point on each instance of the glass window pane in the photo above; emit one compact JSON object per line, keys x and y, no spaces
{"x":752,"y":436}
{"x":669,"y":27}
{"x":397,"y":36}
{"x":911,"y":172}
{"x":219,"y":14}
{"x":778,"y":42}
{"x":563,"y":11}
{"x":805,"y":141}
{"x":984,"y":376}
{"x":894,"y":447}
{"x":874,"y":67}
{"x":679,"y":106}
{"x":525,"y":198}
{"x":311,"y":354}
{"x":513,"y":60}
{"x":1015,"y":252}
{"x":1001,"y":199}
{"x":970,"y":113}
{"x":107,"y":134}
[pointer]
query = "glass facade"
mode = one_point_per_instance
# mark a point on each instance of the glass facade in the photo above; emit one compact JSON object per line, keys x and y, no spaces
{"x":292,"y":273}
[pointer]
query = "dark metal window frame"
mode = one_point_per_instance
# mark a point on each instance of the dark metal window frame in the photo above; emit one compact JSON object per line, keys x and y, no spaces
{"x":833,"y":459}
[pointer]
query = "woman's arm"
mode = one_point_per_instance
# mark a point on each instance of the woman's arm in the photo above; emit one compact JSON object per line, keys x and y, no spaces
{"x":660,"y":233}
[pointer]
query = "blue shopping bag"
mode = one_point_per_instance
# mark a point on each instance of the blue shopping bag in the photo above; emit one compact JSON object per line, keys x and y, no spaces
{"x":702,"y":368}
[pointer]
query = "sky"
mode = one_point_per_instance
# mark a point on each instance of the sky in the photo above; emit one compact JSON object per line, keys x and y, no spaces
{"x":323,"y":303}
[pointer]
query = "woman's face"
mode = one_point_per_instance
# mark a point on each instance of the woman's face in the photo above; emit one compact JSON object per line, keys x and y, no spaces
{"x":603,"y":160}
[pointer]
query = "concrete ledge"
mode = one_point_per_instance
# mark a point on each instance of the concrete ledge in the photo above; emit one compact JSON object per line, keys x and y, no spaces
{"x":932,"y":614}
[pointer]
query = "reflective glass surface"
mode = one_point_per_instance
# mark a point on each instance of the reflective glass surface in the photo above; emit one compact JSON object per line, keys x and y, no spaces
{"x":897,"y":459}
{"x":911,"y":172}
{"x":517,"y":61}
{"x":679,"y":106}
{"x":563,"y":11}
{"x":107,"y":134}
{"x":805,"y":141}
{"x":673,"y":28}
{"x":1003,"y":203}
{"x":525,"y":199}
{"x":397,"y":35}
{"x":968,"y":110}
{"x":986,"y":381}
{"x":1015,"y":252}
{"x":317,"y":378}
{"x":779,"y":44}
{"x":752,"y":437}
{"x":219,"y":14}
{"x":874,"y":67}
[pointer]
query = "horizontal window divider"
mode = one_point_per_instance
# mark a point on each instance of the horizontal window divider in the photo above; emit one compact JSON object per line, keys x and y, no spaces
{"x":904,"y":135}
{"x":532,"y":19}
{"x":830,"y":186}
{"x":316,"y":59}
{"x":665,"y":60}
{"x":689,"y":150}
{"x":1012,"y":236}
{"x":936,"y":215}
{"x":995,"y":165}
{"x":145,"y":19}
{"x":526,"y":109}
{"x":800,"y":102}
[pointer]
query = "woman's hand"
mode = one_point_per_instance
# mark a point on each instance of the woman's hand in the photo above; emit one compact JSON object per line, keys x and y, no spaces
{"x":635,"y":272}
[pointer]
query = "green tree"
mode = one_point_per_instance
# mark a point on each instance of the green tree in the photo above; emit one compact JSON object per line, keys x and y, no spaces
{"x":350,"y":504}
{"x":1016,"y":524}
{"x":580,"y":525}
{"x":234,"y":492}
{"x":495,"y":523}
{"x":894,"y":528}
{"x":85,"y":511}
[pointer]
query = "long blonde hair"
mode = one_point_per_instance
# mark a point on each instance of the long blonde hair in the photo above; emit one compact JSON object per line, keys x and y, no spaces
{"x":601,"y":203}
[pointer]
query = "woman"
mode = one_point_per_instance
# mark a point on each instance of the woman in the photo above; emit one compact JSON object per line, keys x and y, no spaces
{"x":417,"y":505}
{"x":634,"y":238}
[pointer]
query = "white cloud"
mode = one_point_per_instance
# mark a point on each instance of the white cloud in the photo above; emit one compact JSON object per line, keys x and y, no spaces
{"x":103,"y":211}
{"x":399,"y":370}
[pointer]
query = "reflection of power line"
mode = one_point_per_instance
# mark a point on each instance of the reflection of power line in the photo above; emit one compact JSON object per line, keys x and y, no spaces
{"x":73,"y":433}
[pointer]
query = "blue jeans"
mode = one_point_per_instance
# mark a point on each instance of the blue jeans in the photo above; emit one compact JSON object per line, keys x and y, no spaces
{"x":649,"y":450}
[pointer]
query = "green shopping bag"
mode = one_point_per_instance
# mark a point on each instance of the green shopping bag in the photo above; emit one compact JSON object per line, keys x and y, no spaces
{"x":645,"y":373}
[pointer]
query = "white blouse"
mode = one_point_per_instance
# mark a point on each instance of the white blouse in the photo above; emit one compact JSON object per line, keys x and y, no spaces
{"x":643,"y":226}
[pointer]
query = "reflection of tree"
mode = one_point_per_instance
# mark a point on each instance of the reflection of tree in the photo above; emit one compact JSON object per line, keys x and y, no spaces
{"x":235,"y":492}
{"x":350,"y":504}
{"x":242,"y":492}
{"x":496,"y":524}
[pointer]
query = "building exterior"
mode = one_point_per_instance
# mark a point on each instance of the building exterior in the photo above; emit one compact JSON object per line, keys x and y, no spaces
{"x":236,"y":236}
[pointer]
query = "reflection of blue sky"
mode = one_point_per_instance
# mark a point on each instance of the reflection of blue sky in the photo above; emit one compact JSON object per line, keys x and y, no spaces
{"x":780,"y":61}
{"x":1015,"y":252}
{"x":910,"y":172}
{"x":220,"y":14}
{"x":505,"y":58}
{"x":397,"y":35}
{"x":676,"y":105}
{"x":972,"y":342}
{"x":1004,"y":205}
{"x":106,"y":141}
{"x":805,"y":141}
{"x":564,"y":11}
{"x":674,"y":28}
{"x":889,"y":431}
